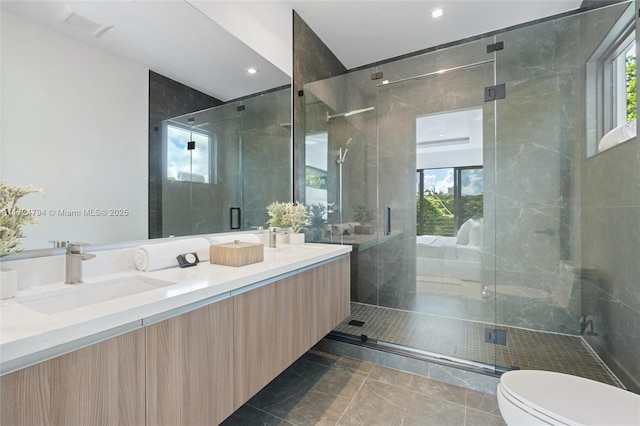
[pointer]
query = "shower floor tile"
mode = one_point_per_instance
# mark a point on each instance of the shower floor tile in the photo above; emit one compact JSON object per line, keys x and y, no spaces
{"x":525,"y":349}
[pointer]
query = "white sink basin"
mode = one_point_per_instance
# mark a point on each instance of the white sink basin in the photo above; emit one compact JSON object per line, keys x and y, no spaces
{"x":77,"y":296}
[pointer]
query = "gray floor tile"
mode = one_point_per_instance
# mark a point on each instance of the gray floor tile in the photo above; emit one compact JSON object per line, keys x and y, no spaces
{"x":309,"y":393}
{"x":419,"y":384}
{"x":351,"y":365}
{"x":247,"y":415}
{"x":480,"y":418}
{"x":323,"y":389}
{"x":379,"y":403}
{"x":483,"y":402}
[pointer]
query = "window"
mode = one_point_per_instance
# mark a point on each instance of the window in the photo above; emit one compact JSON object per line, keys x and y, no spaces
{"x":450,"y":197}
{"x":190,"y":165}
{"x":611,"y":88}
{"x":622,"y":68}
{"x":316,"y":166}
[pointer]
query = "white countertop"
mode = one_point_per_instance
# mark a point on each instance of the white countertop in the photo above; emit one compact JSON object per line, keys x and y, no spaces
{"x":27,"y":336}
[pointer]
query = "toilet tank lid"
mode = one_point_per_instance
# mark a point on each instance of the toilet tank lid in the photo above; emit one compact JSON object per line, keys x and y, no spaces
{"x":571,"y":399}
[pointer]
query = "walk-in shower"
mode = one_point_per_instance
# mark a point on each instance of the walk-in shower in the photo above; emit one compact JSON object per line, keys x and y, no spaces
{"x":495,"y":257}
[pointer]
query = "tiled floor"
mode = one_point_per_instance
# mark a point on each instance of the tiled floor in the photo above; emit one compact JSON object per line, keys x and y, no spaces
{"x":324,"y":389}
{"x":525,"y":349}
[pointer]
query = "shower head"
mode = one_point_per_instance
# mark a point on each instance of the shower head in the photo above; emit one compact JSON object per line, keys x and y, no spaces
{"x":343,"y":155}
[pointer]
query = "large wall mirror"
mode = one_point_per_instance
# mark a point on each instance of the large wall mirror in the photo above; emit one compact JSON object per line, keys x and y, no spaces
{"x":76,"y":122}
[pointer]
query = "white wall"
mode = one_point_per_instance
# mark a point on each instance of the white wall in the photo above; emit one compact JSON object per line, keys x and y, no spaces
{"x":74,"y":123}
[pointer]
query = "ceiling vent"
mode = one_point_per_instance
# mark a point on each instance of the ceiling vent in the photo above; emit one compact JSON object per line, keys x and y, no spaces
{"x":86,"y":25}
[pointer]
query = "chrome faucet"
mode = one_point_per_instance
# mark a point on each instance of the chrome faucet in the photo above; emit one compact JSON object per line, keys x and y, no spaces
{"x":74,"y":259}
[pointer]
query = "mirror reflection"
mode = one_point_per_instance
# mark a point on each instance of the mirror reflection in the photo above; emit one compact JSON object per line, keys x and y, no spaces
{"x":225,"y":165}
{"x":83,"y":113}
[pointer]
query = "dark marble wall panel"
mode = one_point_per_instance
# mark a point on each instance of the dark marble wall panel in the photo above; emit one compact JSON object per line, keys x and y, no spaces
{"x":167,"y":98}
{"x":312,"y":61}
{"x":539,"y":149}
{"x":610,"y":247}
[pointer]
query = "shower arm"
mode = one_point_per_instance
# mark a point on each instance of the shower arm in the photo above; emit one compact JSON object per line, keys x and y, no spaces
{"x":348,"y":113}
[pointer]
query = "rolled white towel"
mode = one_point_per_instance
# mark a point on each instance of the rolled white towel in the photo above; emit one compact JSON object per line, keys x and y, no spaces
{"x":150,"y":257}
{"x":243,"y":238}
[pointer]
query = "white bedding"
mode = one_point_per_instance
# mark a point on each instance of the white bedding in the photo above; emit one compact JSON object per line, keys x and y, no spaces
{"x":443,"y":256}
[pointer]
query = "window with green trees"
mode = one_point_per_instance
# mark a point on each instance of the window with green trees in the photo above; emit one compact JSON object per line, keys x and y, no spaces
{"x":446,"y":198}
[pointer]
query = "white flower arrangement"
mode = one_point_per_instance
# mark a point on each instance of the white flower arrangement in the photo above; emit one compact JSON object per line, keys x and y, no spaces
{"x":288,"y":215}
{"x":13,"y":218}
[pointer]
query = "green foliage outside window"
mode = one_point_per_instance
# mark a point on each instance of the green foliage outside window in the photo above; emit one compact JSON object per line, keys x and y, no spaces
{"x":437,"y":218}
{"x":315,"y":178}
{"x":630,"y":71}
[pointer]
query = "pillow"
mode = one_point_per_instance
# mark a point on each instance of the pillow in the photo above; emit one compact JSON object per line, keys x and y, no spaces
{"x":463,"y":232}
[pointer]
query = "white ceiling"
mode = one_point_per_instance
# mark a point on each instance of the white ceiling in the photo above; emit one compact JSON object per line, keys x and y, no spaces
{"x":363,"y":32}
{"x":205,"y":43}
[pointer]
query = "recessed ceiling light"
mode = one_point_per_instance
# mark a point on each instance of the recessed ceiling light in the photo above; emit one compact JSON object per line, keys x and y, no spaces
{"x":436,"y":13}
{"x":252,"y":70}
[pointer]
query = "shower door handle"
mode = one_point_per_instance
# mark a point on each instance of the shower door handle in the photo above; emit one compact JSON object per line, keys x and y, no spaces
{"x":387,"y":220}
{"x":234,"y":217}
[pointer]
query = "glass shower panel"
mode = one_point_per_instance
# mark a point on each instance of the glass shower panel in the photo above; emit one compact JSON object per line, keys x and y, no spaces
{"x":341,"y":161}
{"x":201,"y":175}
{"x":552,"y":111}
{"x":266,"y":154}
{"x":439,"y":125}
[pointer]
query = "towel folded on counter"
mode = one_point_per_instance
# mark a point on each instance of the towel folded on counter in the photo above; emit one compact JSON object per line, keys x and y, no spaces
{"x":151,"y":257}
{"x":243,"y":238}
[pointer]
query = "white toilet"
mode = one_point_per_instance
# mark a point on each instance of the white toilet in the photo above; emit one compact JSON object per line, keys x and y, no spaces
{"x":532,"y":397}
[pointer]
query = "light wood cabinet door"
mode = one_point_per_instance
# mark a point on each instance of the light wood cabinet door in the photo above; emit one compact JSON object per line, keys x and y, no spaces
{"x":266,"y":335}
{"x":102,"y":384}
{"x":189,"y":367}
{"x":324,"y":300}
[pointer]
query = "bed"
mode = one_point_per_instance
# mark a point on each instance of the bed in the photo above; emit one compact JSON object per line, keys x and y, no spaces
{"x":458,"y":257}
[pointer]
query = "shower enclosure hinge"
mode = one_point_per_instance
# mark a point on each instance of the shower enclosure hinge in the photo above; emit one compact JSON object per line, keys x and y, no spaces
{"x":191,"y":145}
{"x":493,"y":93}
{"x":495,"y":47}
{"x":300,"y":93}
{"x":377,"y":75}
{"x":240,"y":108}
{"x":495,"y":336}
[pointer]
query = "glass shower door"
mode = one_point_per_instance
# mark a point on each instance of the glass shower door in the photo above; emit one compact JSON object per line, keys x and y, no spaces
{"x":435,"y":132}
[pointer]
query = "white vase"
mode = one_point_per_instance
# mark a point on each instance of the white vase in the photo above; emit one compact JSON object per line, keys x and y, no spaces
{"x":296,"y":238}
{"x":8,"y":283}
{"x":282,"y":237}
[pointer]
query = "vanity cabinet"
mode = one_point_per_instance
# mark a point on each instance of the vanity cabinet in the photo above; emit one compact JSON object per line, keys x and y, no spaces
{"x":324,"y":300}
{"x":276,"y":323}
{"x":189,"y":367}
{"x":100,"y":384}
{"x":193,"y":366}
{"x":266,"y":335}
